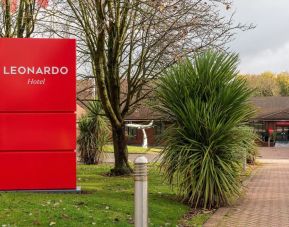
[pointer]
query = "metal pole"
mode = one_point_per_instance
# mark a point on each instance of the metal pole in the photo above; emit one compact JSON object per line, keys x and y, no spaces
{"x":140,"y":192}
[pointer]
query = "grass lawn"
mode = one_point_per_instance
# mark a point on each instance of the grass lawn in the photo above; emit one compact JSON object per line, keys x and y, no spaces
{"x":105,"y":201}
{"x":135,"y":149}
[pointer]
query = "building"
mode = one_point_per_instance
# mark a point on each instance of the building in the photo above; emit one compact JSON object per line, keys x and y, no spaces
{"x":84,"y":89}
{"x":272,"y":118}
{"x":80,"y":111}
{"x":144,"y":115}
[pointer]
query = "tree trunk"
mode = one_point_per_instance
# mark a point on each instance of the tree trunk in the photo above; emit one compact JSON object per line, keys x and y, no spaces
{"x":121,"y":166}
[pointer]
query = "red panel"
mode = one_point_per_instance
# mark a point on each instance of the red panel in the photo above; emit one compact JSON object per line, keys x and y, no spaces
{"x":21,"y":91}
{"x":282,"y":123}
{"x":37,"y":170}
{"x":37,"y":131}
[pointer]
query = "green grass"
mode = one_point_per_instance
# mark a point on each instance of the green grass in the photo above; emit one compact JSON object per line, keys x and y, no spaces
{"x":135,"y":149}
{"x":105,"y":201}
{"x":199,"y":219}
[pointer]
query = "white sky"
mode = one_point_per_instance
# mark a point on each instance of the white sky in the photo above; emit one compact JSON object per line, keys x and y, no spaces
{"x":265,"y":48}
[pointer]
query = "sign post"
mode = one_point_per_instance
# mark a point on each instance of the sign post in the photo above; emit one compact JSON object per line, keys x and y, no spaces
{"x":37,"y":114}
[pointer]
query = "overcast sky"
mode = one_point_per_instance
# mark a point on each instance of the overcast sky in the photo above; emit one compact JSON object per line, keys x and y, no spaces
{"x":265,"y":48}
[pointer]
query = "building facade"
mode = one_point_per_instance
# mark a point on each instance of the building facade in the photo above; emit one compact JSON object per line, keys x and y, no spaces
{"x":271,"y":122}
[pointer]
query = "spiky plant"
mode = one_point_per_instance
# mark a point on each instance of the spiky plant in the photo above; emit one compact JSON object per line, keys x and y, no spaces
{"x":250,"y":148}
{"x":208,"y":105}
{"x":93,"y":134}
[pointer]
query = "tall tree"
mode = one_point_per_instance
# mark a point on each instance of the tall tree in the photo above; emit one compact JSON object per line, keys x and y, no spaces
{"x":131,"y":42}
{"x":283,"y":82}
{"x":264,"y":84}
{"x":19,"y":17}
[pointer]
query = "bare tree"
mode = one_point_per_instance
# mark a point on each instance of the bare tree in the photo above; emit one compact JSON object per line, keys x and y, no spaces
{"x":18,"y":17}
{"x":131,"y":42}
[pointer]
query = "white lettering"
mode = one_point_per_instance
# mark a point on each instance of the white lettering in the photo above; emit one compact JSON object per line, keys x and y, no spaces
{"x":46,"y":70}
{"x":21,"y":70}
{"x":39,"y":71}
{"x":29,"y":81}
{"x":4,"y":71}
{"x":55,"y":70}
{"x":13,"y":70}
{"x":36,"y":82}
{"x":30,"y":70}
{"x":63,"y":70}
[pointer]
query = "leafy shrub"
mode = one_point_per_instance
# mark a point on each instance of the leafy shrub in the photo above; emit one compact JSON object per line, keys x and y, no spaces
{"x":93,"y":134}
{"x":208,"y":105}
{"x":249,"y":143}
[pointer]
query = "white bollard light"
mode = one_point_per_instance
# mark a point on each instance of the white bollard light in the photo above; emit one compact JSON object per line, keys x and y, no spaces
{"x":140,"y":192}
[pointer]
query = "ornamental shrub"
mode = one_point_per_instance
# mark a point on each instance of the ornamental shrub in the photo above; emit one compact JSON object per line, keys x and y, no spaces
{"x":93,"y":134}
{"x":204,"y":147}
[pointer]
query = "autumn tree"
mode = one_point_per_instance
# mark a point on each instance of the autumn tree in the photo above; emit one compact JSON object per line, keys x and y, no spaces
{"x":131,"y":42}
{"x":283,"y":82}
{"x":264,"y":84}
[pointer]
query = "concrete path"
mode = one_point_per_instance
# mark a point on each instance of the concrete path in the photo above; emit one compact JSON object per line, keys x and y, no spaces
{"x":152,"y":157}
{"x":266,"y":200}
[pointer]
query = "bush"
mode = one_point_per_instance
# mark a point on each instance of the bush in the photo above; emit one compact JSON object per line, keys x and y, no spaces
{"x":250,"y":148}
{"x":93,"y":135}
{"x":204,"y":148}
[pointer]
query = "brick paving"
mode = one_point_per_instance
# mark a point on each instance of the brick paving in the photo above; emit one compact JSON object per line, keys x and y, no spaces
{"x":266,"y":200}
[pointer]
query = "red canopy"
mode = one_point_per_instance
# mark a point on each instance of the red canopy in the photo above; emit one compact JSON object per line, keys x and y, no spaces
{"x":282,"y":123}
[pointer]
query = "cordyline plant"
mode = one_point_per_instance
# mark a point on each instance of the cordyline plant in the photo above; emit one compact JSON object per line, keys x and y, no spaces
{"x":208,"y":105}
{"x":93,"y":134}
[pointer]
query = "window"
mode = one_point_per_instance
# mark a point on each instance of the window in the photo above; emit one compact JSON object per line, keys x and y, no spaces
{"x":258,"y":126}
{"x":131,"y":132}
{"x":260,"y":129}
{"x":159,"y":127}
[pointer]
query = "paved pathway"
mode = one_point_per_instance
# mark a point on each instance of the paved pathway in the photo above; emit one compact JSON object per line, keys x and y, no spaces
{"x":152,"y":157}
{"x":266,"y":202}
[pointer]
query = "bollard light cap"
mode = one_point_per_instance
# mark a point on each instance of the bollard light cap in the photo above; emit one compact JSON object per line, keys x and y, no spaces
{"x":141,"y":160}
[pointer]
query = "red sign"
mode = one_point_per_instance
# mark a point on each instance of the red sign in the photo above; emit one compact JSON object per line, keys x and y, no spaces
{"x":282,"y":123}
{"x":37,"y":114}
{"x":37,"y":75}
